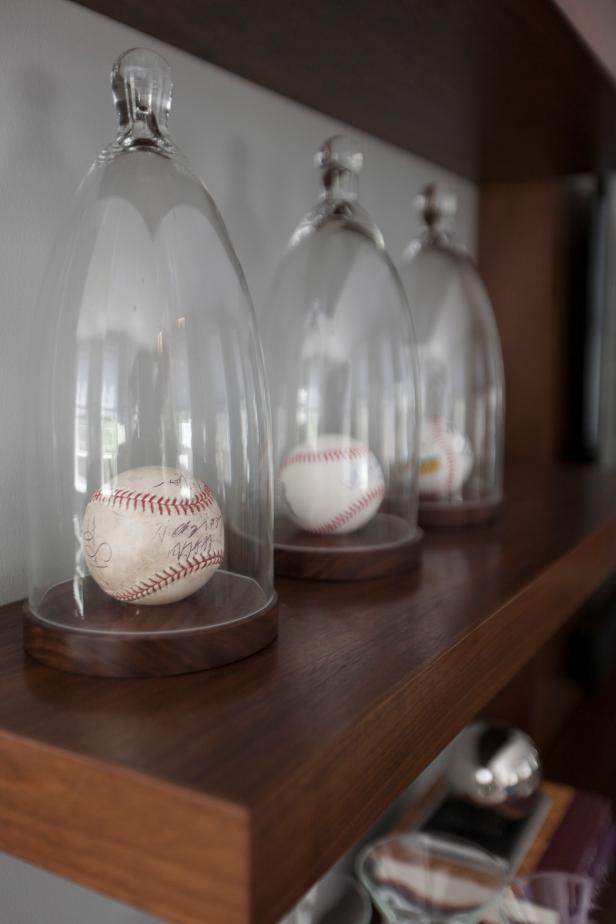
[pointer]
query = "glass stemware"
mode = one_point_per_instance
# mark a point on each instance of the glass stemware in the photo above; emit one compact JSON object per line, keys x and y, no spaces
{"x":431,"y":879}
{"x":548,"y":898}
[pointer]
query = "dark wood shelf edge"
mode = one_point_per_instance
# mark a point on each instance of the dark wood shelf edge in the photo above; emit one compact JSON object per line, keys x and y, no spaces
{"x":134,"y":838}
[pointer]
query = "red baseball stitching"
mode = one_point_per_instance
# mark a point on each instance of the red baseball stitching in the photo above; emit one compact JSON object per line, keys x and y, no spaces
{"x":168,"y":576}
{"x":324,"y":455}
{"x":450,"y":460}
{"x":156,"y":504}
{"x":356,"y":507}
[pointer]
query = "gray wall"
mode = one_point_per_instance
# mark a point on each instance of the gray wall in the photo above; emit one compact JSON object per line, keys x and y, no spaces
{"x":254,"y":149}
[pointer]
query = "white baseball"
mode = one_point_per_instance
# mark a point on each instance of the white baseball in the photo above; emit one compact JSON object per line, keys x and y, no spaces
{"x":333,"y":484}
{"x":446,"y":459}
{"x":153,"y":535}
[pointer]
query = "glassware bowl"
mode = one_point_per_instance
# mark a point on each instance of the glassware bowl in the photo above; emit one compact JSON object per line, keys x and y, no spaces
{"x":548,"y":898}
{"x":423,"y":878}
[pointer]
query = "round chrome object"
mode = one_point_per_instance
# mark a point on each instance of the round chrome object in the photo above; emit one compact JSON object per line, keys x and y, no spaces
{"x":495,"y":766}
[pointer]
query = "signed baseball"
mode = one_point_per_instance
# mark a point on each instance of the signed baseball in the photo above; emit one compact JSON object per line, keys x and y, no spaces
{"x":446,"y":459}
{"x":332,"y":485}
{"x":153,"y":535}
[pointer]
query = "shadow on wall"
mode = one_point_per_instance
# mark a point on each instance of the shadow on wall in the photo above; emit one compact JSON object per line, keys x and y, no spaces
{"x":56,"y":901}
{"x":244,"y":226}
{"x":37,"y":180}
{"x":262,"y":207}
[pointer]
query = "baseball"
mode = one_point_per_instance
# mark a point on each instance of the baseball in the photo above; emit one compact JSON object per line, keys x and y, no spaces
{"x":446,"y":460}
{"x":153,"y":535}
{"x":332,"y":485}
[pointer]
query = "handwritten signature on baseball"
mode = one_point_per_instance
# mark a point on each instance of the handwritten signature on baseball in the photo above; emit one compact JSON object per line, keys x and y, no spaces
{"x":180,"y":481}
{"x":99,"y":554}
{"x":193,"y":537}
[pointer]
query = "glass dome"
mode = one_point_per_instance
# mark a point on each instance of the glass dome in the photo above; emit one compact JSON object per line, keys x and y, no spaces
{"x":150,"y":511}
{"x":462,"y":378}
{"x":341,"y":360}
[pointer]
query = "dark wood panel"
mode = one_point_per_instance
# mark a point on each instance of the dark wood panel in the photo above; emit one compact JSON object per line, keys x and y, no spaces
{"x":541,"y":697}
{"x":584,"y":754}
{"x":536,"y":256}
{"x":492,"y":90}
{"x":523,"y":257}
{"x":221,"y":796}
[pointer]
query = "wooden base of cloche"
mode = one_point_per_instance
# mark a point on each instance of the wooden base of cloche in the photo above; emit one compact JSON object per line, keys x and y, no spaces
{"x":458,"y":515}
{"x":386,"y":545}
{"x":126,"y":640}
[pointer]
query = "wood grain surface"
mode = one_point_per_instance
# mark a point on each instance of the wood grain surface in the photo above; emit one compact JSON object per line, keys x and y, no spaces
{"x":127,"y":640}
{"x":220,"y":797}
{"x":443,"y":515}
{"x":491,"y":90}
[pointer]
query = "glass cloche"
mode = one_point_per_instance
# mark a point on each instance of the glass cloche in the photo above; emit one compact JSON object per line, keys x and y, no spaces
{"x":462,"y":377}
{"x":342,"y":367}
{"x":150,"y":510}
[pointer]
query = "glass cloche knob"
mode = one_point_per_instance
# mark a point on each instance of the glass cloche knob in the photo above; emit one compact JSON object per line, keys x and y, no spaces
{"x":142,"y":88}
{"x":339,"y":151}
{"x":436,"y":209}
{"x":339,"y":162}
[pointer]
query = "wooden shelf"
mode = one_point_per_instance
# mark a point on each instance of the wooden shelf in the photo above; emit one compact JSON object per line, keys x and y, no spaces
{"x":220,"y":797}
{"x":491,"y":90}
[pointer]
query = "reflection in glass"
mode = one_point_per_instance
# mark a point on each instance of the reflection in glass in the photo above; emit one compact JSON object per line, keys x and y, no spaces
{"x":462,"y":378}
{"x":341,"y":360}
{"x":431,"y":879}
{"x":148,"y":362}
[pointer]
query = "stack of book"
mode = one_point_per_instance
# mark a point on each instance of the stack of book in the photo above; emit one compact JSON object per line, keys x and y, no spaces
{"x":568,"y":830}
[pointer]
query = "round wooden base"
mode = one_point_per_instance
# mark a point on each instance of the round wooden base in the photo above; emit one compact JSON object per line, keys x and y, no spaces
{"x":124,"y":640}
{"x":386,"y":545}
{"x":446,"y":515}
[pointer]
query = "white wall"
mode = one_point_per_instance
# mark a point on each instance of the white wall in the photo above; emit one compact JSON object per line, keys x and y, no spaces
{"x":32,"y":896}
{"x":254,"y":149}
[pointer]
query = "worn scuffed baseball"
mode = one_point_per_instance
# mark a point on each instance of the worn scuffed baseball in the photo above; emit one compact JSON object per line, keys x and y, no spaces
{"x":332,"y":485}
{"x":446,"y":459}
{"x":153,"y":535}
